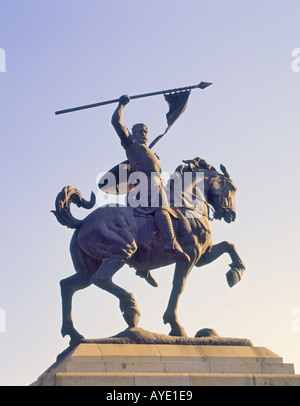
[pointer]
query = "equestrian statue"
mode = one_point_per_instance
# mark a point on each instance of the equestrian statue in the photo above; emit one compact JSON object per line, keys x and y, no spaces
{"x":160,"y":224}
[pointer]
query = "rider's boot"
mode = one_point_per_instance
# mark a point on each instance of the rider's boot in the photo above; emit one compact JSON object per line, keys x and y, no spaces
{"x":149,"y":278}
{"x":165,"y":226}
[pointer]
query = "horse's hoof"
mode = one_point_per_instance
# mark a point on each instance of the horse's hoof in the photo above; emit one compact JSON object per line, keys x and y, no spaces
{"x":233,"y":276}
{"x":178,"y":332}
{"x":132,"y":316}
{"x":76,"y":338}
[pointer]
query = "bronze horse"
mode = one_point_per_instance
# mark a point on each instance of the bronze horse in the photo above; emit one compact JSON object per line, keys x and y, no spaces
{"x":110,"y":237}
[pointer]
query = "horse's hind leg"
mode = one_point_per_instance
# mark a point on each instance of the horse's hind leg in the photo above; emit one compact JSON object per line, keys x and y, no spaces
{"x":84,"y":266}
{"x":68,"y":287}
{"x":103,"y":279}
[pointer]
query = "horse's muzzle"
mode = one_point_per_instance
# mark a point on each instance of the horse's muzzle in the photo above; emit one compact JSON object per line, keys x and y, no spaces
{"x":228,"y":214}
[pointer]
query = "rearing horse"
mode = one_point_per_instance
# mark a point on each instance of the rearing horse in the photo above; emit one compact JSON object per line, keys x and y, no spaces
{"x":110,"y":237}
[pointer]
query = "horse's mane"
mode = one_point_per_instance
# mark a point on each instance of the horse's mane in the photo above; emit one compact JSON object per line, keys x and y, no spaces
{"x":199,"y":163}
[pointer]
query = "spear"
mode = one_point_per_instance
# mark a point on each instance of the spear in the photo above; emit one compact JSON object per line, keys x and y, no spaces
{"x":201,"y":85}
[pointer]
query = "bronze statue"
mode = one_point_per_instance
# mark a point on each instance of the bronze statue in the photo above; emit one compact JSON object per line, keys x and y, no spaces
{"x":110,"y":237}
{"x":159,"y":225}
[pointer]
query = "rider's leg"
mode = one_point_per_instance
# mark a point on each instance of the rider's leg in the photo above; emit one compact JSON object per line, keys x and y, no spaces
{"x":165,"y":226}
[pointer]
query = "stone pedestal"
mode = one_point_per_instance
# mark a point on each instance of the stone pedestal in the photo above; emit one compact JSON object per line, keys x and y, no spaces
{"x":119,"y":363}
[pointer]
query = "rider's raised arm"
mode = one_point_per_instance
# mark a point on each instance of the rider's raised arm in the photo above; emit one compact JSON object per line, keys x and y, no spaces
{"x":116,"y":120}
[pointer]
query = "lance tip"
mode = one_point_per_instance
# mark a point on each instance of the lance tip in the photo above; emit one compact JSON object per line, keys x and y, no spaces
{"x":203,"y":85}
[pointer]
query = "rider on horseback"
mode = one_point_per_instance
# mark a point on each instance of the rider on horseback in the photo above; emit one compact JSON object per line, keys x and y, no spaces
{"x":143,"y":159}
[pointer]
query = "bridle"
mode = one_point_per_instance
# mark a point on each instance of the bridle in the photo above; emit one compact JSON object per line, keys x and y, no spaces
{"x":223,"y":179}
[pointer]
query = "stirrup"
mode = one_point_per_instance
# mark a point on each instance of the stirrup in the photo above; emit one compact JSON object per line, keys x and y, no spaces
{"x":148,"y":277}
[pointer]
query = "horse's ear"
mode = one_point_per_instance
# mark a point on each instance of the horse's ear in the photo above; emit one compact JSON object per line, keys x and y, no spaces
{"x":224,"y":170}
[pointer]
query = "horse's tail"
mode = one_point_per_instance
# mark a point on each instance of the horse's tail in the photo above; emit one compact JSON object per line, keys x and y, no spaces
{"x":69,"y":195}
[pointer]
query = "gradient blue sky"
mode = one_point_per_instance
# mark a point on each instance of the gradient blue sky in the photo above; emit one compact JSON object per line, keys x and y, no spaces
{"x":65,"y":53}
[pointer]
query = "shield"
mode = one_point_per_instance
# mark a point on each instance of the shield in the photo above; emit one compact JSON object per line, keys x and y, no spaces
{"x":115,"y":181}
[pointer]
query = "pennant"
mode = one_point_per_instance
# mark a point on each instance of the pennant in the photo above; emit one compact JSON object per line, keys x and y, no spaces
{"x":177,"y":104}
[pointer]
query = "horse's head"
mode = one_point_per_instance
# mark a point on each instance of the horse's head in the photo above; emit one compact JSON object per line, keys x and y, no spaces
{"x":219,"y":189}
{"x":221,"y":196}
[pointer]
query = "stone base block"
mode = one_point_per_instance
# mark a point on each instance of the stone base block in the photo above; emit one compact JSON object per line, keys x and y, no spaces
{"x":121,"y":364}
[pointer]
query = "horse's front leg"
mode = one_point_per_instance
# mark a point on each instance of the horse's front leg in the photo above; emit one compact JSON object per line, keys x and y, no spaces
{"x":234,"y":275}
{"x":170,"y":315}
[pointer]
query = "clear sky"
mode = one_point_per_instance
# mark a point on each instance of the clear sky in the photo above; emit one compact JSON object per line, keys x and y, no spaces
{"x":65,"y":53}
